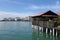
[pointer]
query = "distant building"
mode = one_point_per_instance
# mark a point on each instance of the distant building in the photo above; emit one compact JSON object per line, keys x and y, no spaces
{"x":11,"y":19}
{"x":5,"y":19}
{"x":27,"y":18}
{"x":17,"y":19}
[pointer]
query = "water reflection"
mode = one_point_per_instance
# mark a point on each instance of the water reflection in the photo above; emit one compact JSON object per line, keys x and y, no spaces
{"x":43,"y":36}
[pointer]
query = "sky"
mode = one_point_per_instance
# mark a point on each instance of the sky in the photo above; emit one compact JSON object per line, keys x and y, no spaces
{"x":22,"y":8}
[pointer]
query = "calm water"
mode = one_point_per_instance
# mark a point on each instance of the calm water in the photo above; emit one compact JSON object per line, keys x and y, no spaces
{"x":43,"y":36}
{"x":15,"y":31}
{"x":22,"y":31}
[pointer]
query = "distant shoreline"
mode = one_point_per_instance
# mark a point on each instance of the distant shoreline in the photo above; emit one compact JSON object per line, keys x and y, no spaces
{"x":15,"y":21}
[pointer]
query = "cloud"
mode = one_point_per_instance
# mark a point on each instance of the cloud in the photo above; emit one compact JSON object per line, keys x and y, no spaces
{"x":36,"y":7}
{"x":4,"y":14}
{"x":15,"y":2}
{"x":44,"y":7}
{"x":12,"y":1}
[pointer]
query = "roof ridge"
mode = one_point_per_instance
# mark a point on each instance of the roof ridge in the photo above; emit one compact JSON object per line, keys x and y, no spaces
{"x":39,"y":14}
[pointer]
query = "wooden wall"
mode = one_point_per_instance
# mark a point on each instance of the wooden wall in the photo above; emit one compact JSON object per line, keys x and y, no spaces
{"x":43,"y":23}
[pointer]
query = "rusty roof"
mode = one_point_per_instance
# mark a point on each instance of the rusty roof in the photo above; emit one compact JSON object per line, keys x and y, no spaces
{"x":58,"y":13}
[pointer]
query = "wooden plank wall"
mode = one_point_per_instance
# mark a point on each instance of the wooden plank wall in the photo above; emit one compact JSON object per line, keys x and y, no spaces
{"x":43,"y":23}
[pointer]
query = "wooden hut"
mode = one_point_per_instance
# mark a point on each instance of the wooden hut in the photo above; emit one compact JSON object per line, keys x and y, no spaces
{"x":46,"y":20}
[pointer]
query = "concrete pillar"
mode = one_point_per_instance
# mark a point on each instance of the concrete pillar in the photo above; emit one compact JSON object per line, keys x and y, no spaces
{"x":46,"y":30}
{"x":53,"y":31}
{"x":39,"y":28}
{"x":50,"y":31}
{"x":56,"y":33}
{"x":38,"y":34}
{"x":42,"y":29}
{"x":32,"y":26}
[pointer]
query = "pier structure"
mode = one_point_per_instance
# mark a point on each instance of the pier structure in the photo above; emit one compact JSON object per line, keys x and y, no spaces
{"x":46,"y":22}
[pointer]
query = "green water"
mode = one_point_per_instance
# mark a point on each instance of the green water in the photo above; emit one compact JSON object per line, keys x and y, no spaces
{"x":22,"y":31}
{"x":15,"y":31}
{"x":43,"y":36}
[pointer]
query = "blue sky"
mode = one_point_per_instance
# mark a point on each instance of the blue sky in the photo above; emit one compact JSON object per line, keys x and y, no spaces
{"x":14,"y":8}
